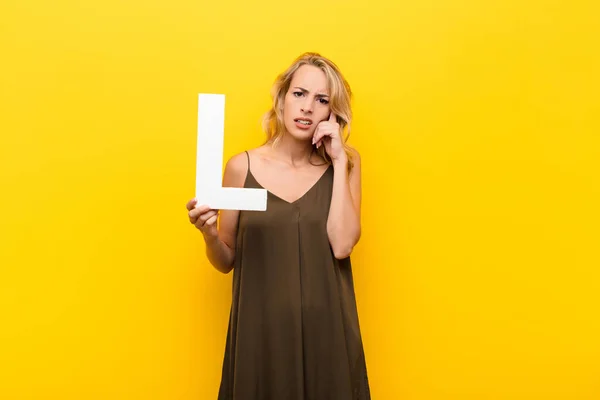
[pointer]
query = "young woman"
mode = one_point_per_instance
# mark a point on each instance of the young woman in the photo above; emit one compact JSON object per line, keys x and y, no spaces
{"x":293,"y":331}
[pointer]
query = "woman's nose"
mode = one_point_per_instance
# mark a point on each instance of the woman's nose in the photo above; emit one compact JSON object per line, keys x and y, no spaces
{"x":307,"y":106}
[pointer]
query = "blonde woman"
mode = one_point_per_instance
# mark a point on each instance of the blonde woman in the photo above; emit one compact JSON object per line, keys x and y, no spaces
{"x":293,"y":331}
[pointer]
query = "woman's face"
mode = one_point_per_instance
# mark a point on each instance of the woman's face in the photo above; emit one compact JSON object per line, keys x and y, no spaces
{"x":306,"y":102}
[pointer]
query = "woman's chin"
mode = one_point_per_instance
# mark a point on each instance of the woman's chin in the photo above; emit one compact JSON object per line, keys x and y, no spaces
{"x":300,"y":134}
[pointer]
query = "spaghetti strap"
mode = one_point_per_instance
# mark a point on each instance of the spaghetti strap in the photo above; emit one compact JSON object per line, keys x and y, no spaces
{"x":248,"y":157}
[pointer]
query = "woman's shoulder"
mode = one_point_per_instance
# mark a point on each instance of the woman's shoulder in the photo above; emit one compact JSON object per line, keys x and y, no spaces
{"x":238,"y":162}
{"x":236,"y":168}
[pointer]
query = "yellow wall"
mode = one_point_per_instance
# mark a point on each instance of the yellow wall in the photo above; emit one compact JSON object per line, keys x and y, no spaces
{"x":478,"y":275}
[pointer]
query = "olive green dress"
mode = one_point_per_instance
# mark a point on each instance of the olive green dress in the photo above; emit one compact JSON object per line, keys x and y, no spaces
{"x":293,"y":331}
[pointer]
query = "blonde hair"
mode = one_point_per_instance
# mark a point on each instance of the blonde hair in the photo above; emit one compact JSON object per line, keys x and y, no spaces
{"x":340,"y":96}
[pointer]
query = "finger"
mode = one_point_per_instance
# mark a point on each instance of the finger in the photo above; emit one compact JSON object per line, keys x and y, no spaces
{"x":201,"y":223}
{"x":316,"y":134}
{"x":191,"y":204}
{"x":201,"y":208}
{"x":322,"y":141}
{"x":211,"y":221}
{"x":318,"y":142}
{"x":321,"y":134}
{"x":332,"y":117}
{"x":206,"y":216}
{"x":193,"y":216}
{"x":195,"y":213}
{"x":206,"y":224}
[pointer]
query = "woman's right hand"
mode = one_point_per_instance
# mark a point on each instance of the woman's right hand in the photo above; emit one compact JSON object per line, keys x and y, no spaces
{"x":204,"y":218}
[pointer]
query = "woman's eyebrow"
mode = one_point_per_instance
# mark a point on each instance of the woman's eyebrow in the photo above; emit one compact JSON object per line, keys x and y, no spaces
{"x":306,"y":91}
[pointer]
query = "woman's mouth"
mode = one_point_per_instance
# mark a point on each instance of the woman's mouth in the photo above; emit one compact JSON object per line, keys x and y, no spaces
{"x":303,"y":123}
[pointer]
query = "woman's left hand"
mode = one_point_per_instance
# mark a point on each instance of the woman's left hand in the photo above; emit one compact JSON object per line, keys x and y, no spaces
{"x":328,"y":134}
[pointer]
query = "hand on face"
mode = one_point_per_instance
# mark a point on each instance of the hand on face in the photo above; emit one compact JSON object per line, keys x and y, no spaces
{"x":328,"y":134}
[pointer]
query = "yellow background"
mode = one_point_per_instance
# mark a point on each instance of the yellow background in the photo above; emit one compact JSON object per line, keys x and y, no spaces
{"x":478,"y":274}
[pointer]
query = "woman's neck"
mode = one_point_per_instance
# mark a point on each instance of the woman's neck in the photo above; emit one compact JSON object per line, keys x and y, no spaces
{"x":294,"y":152}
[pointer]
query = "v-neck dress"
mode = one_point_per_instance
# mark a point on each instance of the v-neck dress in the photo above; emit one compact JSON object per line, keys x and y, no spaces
{"x":293,"y":331}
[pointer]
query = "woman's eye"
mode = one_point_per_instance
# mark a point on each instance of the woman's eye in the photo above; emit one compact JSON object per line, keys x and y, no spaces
{"x":323,"y":101}
{"x":297,"y":94}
